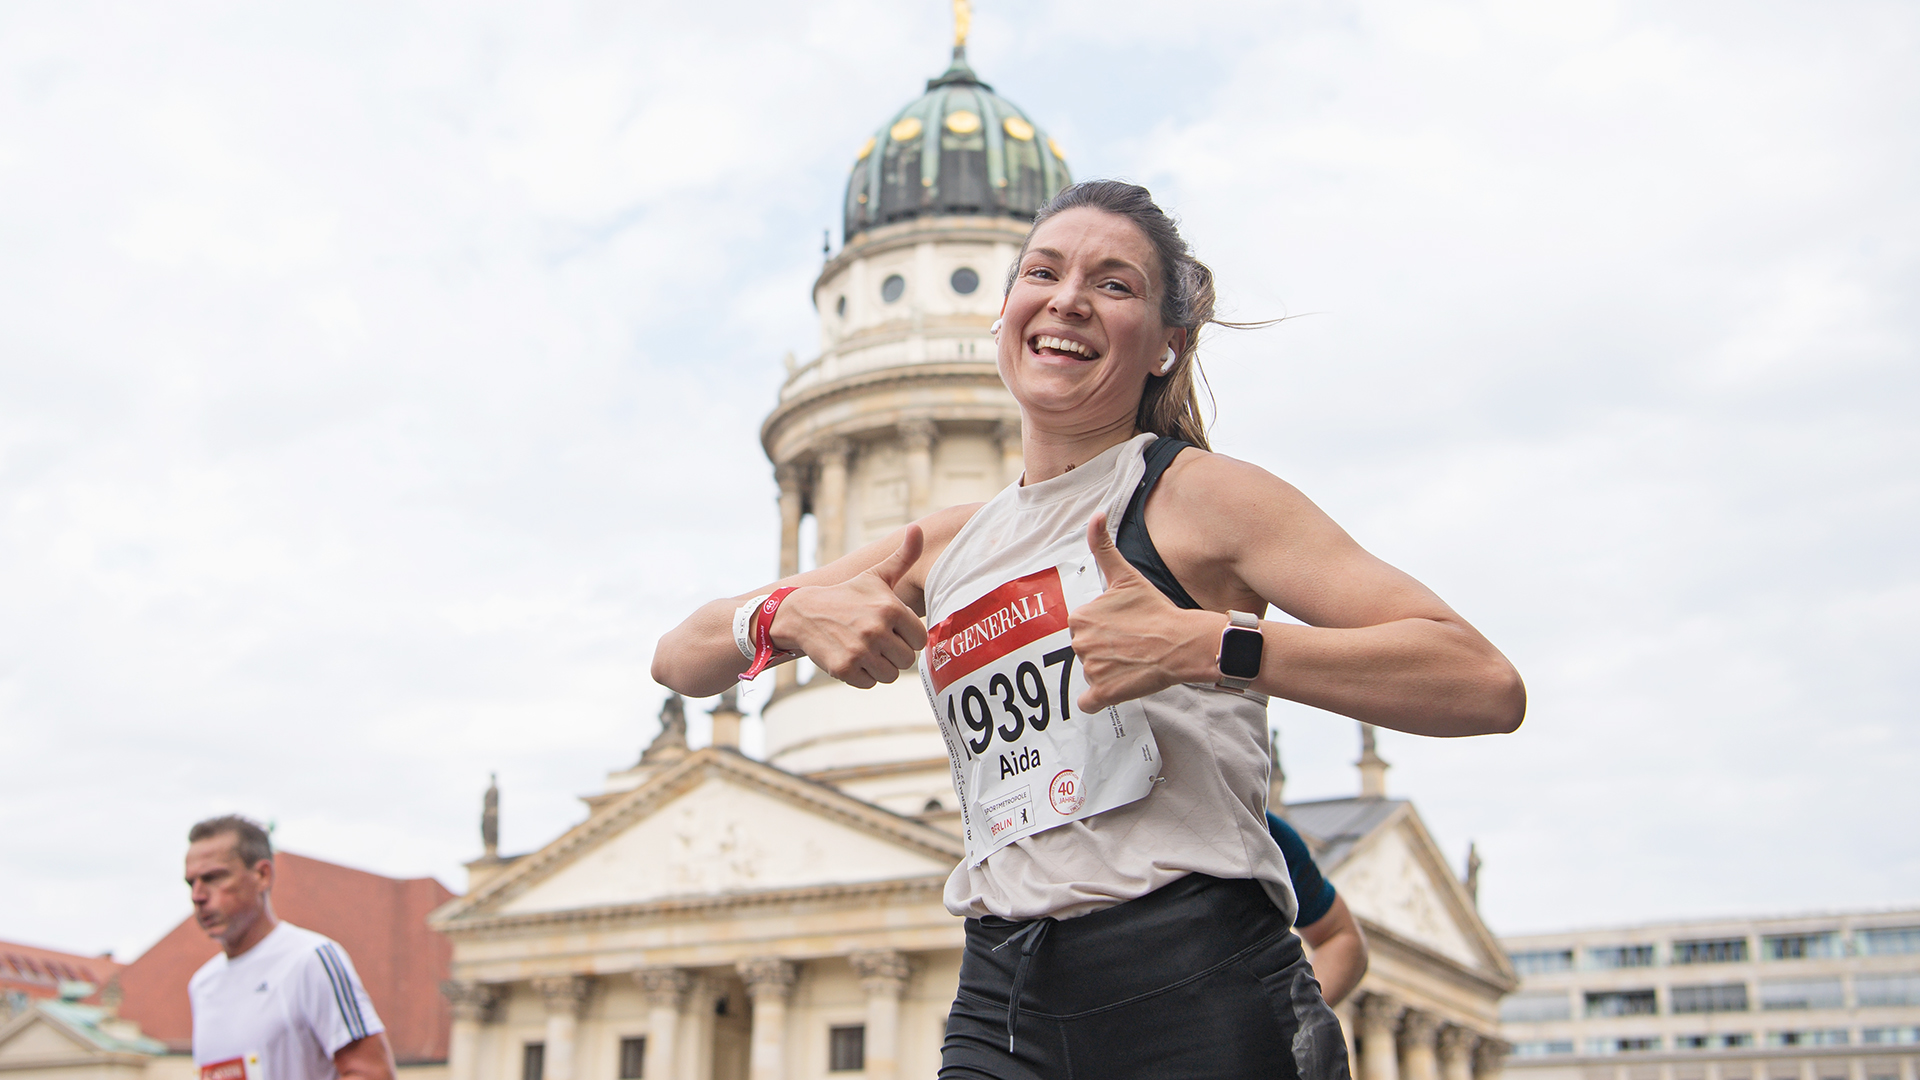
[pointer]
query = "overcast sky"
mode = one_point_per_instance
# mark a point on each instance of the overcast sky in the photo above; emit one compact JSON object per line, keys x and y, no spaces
{"x":378,"y":381}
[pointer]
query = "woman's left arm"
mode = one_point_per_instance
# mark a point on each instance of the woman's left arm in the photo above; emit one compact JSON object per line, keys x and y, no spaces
{"x":1378,"y":645}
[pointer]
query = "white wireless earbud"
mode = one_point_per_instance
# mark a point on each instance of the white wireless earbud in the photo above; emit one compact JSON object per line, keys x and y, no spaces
{"x":1167,"y":361}
{"x":995,"y":328}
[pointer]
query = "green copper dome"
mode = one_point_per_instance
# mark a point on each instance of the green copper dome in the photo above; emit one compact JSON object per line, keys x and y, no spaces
{"x":957,"y":149}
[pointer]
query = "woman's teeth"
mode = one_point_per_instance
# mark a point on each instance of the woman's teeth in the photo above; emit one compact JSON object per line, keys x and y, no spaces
{"x":1061,"y":345}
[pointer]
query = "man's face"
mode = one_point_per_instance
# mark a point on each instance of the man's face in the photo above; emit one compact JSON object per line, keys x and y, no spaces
{"x":228,"y":895}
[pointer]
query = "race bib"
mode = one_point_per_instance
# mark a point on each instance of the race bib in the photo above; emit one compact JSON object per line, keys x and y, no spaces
{"x":1002,"y":678}
{"x":240,"y":1068}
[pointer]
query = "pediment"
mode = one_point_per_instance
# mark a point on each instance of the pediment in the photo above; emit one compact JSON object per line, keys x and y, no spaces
{"x":715,"y":824}
{"x":35,"y":1037}
{"x":1397,"y":878}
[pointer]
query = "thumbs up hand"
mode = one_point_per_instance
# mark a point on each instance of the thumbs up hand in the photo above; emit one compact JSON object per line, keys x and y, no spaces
{"x":858,"y":631}
{"x":1131,"y":640}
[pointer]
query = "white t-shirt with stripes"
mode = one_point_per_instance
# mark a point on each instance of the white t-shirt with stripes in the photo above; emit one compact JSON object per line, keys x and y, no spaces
{"x":278,"y":1011}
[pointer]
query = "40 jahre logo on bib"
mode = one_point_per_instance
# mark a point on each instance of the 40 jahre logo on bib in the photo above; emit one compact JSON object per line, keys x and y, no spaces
{"x":1002,"y":678}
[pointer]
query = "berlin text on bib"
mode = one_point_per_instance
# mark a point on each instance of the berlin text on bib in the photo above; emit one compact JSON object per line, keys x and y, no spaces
{"x":1002,"y":679}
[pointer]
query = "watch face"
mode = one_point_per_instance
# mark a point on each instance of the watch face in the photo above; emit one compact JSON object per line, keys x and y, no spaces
{"x":1240,"y":653}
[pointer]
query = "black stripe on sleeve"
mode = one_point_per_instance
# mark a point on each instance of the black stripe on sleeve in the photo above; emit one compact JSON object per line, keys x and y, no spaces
{"x":343,"y":993}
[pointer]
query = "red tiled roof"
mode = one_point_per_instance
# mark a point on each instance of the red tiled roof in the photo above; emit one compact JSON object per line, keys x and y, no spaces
{"x":380,"y":921}
{"x":38,"y":972}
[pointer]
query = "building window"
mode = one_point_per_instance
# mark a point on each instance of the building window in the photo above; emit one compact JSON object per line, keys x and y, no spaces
{"x":1802,"y":994}
{"x":964,"y":280}
{"x":633,"y":1059}
{"x":1536,"y":1005}
{"x":893,"y":288}
{"x":1726,"y":997}
{"x":847,"y":1048}
{"x":1715,"y":951}
{"x":533,"y":1061}
{"x":1621,"y":1003}
{"x":1621,"y":956}
{"x":1828,"y":1037}
{"x":1612,"y":1045}
{"x":1800,"y":946}
{"x":1890,"y":941}
{"x":1870,"y":990}
{"x":1542,"y":961}
{"x":1542,"y":1047}
{"x":1712,"y":1042}
{"x":840,"y":307}
{"x":1890,"y":1036}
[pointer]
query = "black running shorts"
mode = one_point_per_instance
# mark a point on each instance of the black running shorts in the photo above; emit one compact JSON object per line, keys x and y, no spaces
{"x":1200,"y":979}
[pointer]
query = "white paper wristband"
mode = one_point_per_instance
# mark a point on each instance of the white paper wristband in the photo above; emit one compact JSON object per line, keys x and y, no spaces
{"x":743,"y":626}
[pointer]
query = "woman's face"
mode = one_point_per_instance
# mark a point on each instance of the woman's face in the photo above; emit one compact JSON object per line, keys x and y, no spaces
{"x":1082,"y":327}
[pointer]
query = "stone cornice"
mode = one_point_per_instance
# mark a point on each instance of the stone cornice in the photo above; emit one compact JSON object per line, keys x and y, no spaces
{"x":1438,"y":962}
{"x":599,"y":918}
{"x":869,"y":772}
{"x":677,"y":779}
{"x":981,"y":373}
{"x":986,"y":229}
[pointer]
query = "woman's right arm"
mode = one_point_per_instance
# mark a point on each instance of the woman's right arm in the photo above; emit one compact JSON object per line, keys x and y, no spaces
{"x":857,"y":618}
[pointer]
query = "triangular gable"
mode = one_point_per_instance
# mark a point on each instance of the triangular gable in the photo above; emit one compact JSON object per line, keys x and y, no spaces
{"x":1397,"y":878}
{"x":35,"y":1036}
{"x":714,"y":824}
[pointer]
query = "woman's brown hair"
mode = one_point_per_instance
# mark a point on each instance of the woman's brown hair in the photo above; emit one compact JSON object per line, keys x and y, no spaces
{"x":1171,"y":403}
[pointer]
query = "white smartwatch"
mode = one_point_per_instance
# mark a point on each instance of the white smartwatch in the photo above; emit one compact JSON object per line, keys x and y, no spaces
{"x":1241,"y":646}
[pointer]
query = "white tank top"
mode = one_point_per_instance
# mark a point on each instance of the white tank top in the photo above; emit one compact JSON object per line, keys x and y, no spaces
{"x":1208,"y":812}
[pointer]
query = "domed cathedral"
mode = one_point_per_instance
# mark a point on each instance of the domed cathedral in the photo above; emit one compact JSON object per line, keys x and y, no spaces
{"x":721,"y":917}
{"x":903,"y":411}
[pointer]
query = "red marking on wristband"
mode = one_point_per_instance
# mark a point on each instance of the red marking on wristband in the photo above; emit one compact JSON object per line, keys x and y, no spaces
{"x":761,"y":631}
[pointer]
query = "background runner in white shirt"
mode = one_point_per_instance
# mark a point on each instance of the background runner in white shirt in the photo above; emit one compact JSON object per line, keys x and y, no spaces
{"x":278,"y":1002}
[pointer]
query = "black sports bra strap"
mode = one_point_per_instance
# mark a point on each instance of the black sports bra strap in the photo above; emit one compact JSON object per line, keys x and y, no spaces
{"x":1133,"y":541}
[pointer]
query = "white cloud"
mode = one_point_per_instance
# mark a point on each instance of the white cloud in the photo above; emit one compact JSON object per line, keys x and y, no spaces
{"x":380,"y":381}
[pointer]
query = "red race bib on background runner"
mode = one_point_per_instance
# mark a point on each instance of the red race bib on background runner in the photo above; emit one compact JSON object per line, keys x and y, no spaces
{"x":1002,"y":678}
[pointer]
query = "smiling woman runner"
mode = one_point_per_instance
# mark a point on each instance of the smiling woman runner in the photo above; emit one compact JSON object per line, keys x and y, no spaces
{"x":1105,"y":704}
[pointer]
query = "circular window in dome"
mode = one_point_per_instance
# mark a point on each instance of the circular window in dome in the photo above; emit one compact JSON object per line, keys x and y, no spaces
{"x":893,"y":288}
{"x":963,"y":122}
{"x":1017,"y":128}
{"x":1057,"y":152}
{"x":965,"y":280}
{"x":906,"y":128}
{"x":865,"y":149}
{"x":840,"y":308}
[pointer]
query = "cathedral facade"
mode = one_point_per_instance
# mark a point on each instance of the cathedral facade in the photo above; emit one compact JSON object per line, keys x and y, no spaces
{"x":721,"y":917}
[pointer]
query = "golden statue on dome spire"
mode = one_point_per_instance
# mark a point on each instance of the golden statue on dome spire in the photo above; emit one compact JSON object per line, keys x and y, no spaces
{"x":962,"y":22}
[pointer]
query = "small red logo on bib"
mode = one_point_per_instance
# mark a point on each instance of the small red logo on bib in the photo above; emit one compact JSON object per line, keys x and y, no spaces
{"x":1064,"y":792}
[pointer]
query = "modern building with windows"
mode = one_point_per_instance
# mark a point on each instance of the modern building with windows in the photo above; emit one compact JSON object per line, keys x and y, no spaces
{"x":1806,"y":997}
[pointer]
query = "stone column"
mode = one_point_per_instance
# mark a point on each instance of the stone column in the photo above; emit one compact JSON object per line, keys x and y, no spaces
{"x":1490,"y":1059}
{"x":666,"y":992}
{"x":1906,"y":1067}
{"x":1348,"y":1013}
{"x":1013,"y":461}
{"x":792,"y":495}
{"x":566,"y":997}
{"x":883,"y":974}
{"x":473,"y":1004}
{"x":769,"y":981}
{"x":1456,"y":1054}
{"x":1379,"y":1017}
{"x":830,"y":501}
{"x":789,"y":476}
{"x":1417,"y":1031}
{"x":916,"y":436}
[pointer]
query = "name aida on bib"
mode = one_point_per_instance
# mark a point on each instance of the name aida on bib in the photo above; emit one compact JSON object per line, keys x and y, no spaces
{"x":1002,"y":679}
